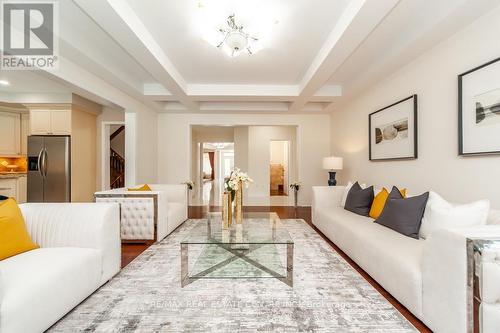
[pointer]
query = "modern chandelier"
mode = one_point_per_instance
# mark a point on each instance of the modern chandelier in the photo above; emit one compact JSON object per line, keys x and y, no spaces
{"x":235,"y":40}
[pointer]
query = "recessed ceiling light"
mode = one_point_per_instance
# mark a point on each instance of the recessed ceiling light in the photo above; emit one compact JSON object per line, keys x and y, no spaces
{"x":4,"y":82}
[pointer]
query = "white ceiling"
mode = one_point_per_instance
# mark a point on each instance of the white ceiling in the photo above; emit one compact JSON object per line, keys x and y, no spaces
{"x":316,"y":54}
{"x":289,"y":36}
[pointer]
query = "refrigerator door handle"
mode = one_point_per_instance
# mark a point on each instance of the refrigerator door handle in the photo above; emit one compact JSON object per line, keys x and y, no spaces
{"x":44,"y":163}
{"x":39,"y":162}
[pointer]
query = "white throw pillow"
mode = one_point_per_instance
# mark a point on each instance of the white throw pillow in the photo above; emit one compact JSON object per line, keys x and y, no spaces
{"x":346,"y":192}
{"x":440,"y":214}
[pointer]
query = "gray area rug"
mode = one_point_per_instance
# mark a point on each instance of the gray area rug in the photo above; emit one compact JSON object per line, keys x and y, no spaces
{"x":328,"y":295}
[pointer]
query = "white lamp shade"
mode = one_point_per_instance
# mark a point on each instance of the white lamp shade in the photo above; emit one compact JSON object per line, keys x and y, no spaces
{"x":333,"y":163}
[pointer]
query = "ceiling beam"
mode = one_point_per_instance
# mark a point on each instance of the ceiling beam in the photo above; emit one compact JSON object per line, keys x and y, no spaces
{"x":356,"y":23}
{"x":123,"y":25}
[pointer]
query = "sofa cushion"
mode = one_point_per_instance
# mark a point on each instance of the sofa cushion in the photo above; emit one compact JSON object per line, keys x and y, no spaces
{"x":346,"y":192}
{"x":390,"y":258}
{"x":359,"y":200}
{"x":45,"y":284}
{"x":403,"y":215}
{"x":440,"y":214}
{"x":14,"y":237}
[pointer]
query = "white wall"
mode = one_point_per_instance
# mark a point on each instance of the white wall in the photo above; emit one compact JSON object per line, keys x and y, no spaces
{"x":141,"y":147}
{"x":433,"y":76}
{"x":259,"y":155}
{"x":313,"y":143}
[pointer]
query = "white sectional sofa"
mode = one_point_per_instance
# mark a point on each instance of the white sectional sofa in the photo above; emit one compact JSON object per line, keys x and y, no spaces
{"x":149,"y":215}
{"x":429,"y":277}
{"x":80,"y":250}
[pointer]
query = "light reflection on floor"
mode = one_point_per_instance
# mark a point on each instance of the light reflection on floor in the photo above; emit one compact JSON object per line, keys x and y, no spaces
{"x":211,"y":194}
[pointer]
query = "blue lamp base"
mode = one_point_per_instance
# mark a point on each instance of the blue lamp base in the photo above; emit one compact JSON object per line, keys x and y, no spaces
{"x":332,"y":181}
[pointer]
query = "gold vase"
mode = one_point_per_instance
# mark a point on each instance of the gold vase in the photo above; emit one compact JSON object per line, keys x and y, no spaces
{"x":239,"y":204}
{"x":227,"y":210}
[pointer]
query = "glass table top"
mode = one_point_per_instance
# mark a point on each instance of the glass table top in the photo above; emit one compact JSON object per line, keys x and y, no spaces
{"x":257,"y":228}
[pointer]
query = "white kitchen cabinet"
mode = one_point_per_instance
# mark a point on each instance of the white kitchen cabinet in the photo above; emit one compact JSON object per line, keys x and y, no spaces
{"x":24,"y":133}
{"x":39,"y":122}
{"x":22,"y":189}
{"x":50,"y":122}
{"x":8,"y":187}
{"x":60,"y":121}
{"x":10,"y":134}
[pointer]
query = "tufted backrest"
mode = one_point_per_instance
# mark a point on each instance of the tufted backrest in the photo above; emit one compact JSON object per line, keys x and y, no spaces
{"x":136,"y":216}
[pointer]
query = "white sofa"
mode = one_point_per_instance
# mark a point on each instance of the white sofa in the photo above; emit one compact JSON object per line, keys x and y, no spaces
{"x":429,"y":277}
{"x":149,"y":215}
{"x":79,"y":251}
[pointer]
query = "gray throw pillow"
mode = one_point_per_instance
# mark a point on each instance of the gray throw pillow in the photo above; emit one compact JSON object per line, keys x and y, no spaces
{"x":2,"y":198}
{"x":403,"y":215}
{"x":359,"y":200}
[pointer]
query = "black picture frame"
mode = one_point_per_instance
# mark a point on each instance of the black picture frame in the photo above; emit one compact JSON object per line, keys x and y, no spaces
{"x":415,"y":128}
{"x":460,"y":112}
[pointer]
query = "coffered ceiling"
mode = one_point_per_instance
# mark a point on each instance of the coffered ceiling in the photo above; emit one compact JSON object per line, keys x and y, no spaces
{"x":314,"y":56}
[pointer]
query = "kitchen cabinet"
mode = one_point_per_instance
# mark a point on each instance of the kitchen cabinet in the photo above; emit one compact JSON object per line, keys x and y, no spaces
{"x":8,"y":187}
{"x":50,"y":122}
{"x":22,"y":189}
{"x":15,"y":187}
{"x":10,"y":134}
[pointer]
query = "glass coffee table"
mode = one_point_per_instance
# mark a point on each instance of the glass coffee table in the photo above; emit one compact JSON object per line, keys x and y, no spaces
{"x":260,"y":247}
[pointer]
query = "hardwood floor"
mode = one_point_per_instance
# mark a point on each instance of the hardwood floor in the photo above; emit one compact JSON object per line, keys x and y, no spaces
{"x":131,"y":251}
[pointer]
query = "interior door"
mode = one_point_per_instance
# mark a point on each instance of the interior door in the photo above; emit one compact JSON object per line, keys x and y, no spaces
{"x":35,"y":177}
{"x":56,"y":169}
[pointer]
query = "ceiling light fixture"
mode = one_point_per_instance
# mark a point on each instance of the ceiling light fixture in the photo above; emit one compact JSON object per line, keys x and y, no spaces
{"x":235,"y":40}
{"x":4,"y":82}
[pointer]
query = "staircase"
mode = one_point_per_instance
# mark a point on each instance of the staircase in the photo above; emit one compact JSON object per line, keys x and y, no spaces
{"x":117,"y":169}
{"x":116,"y":164}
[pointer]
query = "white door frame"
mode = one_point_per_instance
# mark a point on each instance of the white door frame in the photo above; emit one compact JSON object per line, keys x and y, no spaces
{"x":105,"y":145}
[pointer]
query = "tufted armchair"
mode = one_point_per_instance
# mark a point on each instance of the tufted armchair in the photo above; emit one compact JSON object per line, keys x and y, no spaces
{"x":148,"y":215}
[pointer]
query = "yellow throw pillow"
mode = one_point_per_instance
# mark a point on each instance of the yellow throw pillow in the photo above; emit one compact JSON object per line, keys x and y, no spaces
{"x":379,"y":202}
{"x":14,"y":238}
{"x":144,"y":187}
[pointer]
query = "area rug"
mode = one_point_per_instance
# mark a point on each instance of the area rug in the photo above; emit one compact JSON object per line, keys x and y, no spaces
{"x":328,"y":295}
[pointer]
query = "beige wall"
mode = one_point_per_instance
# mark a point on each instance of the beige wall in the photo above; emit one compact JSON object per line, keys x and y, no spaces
{"x":83,"y":155}
{"x":433,"y":76}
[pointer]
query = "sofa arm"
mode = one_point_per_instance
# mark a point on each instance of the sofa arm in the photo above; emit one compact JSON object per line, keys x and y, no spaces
{"x":325,"y":197}
{"x":88,"y":225}
{"x":444,"y":277}
{"x":173,"y":193}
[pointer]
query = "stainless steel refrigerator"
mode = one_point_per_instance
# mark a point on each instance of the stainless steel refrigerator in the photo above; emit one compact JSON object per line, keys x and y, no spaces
{"x":49,"y":169}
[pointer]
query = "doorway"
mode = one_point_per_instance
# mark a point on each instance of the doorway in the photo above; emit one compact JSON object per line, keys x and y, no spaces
{"x":113,"y":155}
{"x":217,"y":163}
{"x":279,"y":168}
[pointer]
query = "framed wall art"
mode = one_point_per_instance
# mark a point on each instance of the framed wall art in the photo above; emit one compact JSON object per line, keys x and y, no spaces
{"x":479,"y":110}
{"x":393,"y":131}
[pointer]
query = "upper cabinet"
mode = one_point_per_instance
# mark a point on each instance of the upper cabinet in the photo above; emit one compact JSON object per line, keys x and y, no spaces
{"x":50,"y":122}
{"x":10,"y":134}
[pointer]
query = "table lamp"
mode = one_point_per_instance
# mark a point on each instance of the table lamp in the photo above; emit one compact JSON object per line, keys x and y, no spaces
{"x":332,"y":164}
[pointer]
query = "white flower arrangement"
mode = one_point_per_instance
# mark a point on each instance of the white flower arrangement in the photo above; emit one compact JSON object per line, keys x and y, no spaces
{"x":295,"y":186}
{"x":190,"y":184}
{"x":235,"y":178}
